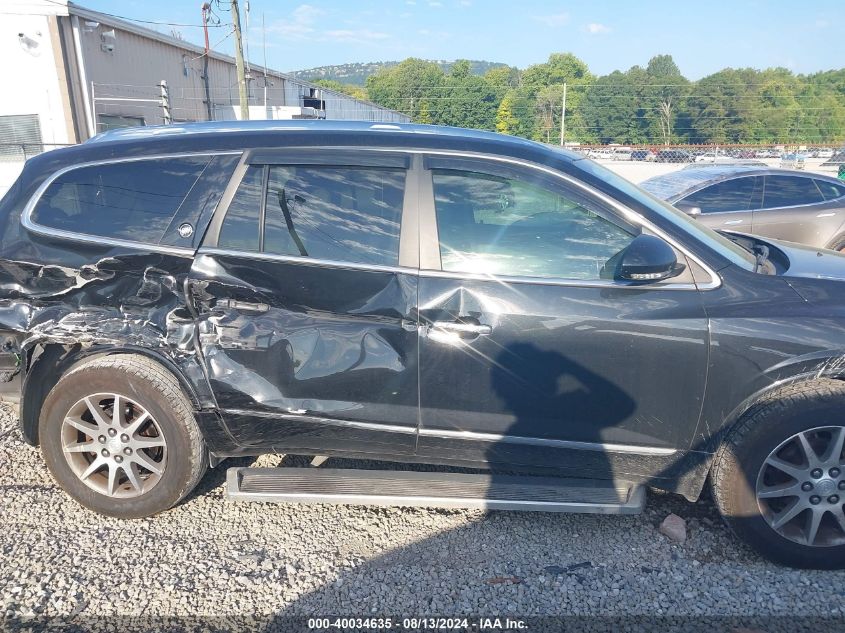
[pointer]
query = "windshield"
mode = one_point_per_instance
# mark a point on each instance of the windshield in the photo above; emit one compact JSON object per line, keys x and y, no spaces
{"x":727,"y":248}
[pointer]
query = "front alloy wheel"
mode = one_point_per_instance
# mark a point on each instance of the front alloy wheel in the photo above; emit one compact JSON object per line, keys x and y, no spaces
{"x":801,"y":487}
{"x":777,"y":478}
{"x":114,"y":445}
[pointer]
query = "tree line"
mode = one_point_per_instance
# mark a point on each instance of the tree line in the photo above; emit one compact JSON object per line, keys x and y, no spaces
{"x":651,"y":105}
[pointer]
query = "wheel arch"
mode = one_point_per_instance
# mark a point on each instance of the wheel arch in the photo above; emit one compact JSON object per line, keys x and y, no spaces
{"x":808,"y":378}
{"x":700,"y":461}
{"x":46,"y":363}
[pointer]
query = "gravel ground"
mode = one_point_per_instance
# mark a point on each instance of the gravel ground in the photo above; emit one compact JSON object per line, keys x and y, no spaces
{"x":210,"y":556}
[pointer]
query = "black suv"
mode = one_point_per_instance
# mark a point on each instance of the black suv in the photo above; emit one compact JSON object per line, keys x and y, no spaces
{"x":173,"y":296}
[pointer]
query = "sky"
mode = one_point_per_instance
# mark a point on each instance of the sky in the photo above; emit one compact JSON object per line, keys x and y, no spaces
{"x":702,"y":37}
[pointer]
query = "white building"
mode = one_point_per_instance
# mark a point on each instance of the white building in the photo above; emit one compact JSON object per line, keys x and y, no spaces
{"x":69,"y":72}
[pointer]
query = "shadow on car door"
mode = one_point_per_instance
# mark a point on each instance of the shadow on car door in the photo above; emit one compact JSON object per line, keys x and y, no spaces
{"x":530,"y":355}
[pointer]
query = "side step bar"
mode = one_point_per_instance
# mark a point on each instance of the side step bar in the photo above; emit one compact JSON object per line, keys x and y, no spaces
{"x":433,"y":489}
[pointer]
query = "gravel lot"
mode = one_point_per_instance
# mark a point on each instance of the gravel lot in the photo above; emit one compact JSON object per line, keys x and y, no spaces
{"x":210,"y":556}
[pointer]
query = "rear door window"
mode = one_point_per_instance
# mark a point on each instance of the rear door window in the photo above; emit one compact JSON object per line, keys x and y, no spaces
{"x":790,"y":191}
{"x":736,"y":194}
{"x":339,"y":214}
{"x":133,"y":200}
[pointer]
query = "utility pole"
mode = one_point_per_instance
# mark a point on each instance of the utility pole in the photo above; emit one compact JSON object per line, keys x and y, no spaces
{"x":264,"y":46}
{"x":205,"y":10}
{"x":239,"y":62}
{"x":563,"y":116}
{"x":164,"y":102}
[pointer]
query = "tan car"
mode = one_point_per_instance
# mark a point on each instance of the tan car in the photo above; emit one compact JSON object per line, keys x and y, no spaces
{"x":778,"y":203}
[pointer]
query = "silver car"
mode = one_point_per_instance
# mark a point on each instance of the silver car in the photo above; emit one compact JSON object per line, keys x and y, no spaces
{"x":777,"y":203}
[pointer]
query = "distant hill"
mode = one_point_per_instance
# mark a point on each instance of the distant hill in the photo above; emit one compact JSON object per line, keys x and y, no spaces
{"x":357,"y":73}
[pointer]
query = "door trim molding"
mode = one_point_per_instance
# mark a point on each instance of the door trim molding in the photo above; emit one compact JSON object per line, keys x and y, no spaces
{"x":551,"y":443}
{"x":464,"y":435}
{"x":303,"y":417}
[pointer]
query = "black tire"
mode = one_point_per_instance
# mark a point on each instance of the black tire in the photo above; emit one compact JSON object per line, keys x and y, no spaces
{"x":146,"y":382}
{"x":770,"y":422}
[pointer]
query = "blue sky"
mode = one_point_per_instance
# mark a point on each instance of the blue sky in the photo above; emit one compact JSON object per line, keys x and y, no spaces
{"x":702,"y":37}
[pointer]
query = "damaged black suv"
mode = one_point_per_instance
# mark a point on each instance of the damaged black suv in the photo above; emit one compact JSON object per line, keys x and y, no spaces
{"x":173,"y":296}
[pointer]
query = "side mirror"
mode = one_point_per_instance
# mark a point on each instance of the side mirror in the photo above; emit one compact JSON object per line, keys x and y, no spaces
{"x":646,"y":259}
{"x":689,"y":209}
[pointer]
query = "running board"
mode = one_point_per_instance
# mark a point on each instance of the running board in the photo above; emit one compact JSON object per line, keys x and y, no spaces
{"x":433,"y":489}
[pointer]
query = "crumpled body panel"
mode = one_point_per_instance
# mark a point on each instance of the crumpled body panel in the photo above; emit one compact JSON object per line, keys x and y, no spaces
{"x":286,"y":341}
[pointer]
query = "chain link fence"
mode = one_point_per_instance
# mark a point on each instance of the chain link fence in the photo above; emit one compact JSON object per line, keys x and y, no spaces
{"x":639,"y":162}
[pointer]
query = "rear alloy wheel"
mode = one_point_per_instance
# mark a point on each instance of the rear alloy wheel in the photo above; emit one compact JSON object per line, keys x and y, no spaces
{"x":114,"y":445}
{"x":801,"y":487}
{"x":120,"y":436}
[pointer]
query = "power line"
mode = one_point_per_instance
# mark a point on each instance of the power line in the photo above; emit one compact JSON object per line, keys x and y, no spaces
{"x":128,"y":19}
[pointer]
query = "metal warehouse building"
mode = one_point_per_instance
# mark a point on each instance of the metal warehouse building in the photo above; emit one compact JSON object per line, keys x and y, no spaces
{"x":70,"y":73}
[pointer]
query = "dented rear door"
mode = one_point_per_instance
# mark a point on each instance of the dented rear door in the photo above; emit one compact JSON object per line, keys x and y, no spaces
{"x":305,"y":312}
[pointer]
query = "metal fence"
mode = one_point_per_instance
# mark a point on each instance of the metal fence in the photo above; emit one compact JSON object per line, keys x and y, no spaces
{"x":121,"y":105}
{"x":640,"y":162}
{"x":793,"y":156}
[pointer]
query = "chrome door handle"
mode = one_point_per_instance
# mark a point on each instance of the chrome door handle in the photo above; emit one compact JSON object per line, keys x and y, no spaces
{"x":733,"y":222}
{"x":462,"y":328}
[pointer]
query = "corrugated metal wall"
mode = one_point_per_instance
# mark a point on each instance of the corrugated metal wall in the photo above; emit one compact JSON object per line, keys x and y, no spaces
{"x":125,"y":69}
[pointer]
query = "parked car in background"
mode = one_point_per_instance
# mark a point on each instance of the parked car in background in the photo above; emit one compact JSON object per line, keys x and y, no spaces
{"x":172,"y":296}
{"x":778,"y":203}
{"x":710,"y":157}
{"x":622,"y":153}
{"x":610,"y":153}
{"x":838,"y":158}
{"x":825,"y":152}
{"x":674,"y":156}
{"x":643,"y":154}
{"x":793,"y":160}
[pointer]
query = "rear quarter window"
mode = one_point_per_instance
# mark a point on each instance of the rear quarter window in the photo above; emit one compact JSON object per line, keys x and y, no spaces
{"x":133,"y":200}
{"x":830,"y":190}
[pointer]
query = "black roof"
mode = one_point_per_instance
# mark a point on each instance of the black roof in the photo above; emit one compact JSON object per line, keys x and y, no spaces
{"x":247,"y":134}
{"x":220,"y":136}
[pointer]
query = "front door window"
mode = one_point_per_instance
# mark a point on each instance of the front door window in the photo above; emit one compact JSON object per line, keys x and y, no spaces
{"x":499,"y":225}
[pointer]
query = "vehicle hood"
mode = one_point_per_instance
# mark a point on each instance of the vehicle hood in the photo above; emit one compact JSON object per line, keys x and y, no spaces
{"x":808,"y":262}
{"x":816,"y":274}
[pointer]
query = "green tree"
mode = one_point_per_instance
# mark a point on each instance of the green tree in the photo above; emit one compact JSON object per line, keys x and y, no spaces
{"x":465,"y":100}
{"x":405,"y":86}
{"x":506,"y":120}
{"x":655,"y":104}
{"x":610,"y":110}
{"x":502,"y":79}
{"x":662,"y":94}
{"x":424,"y":115}
{"x":544,"y":82}
{"x":560,"y":68}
